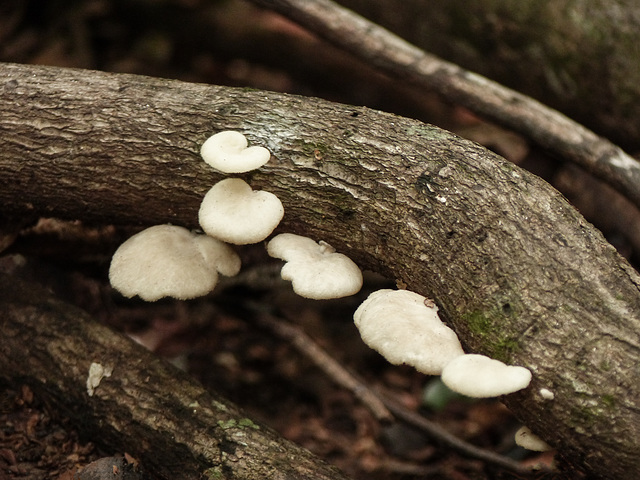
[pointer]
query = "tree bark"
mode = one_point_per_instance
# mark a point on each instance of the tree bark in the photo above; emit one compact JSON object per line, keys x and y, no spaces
{"x":574,"y":55}
{"x":515,"y":270}
{"x":548,"y":128}
{"x":146,"y":407}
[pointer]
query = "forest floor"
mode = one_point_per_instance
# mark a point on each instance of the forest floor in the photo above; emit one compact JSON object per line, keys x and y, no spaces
{"x":216,"y":340}
{"x":212,"y":338}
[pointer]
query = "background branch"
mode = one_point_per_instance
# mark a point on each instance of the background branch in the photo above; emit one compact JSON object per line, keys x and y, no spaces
{"x":546,"y":127}
{"x":569,"y":54}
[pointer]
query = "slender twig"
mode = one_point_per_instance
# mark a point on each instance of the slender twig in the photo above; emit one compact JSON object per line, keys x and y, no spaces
{"x":547,"y":127}
{"x":447,"y":438}
{"x":327,"y":364}
{"x":381,"y":406}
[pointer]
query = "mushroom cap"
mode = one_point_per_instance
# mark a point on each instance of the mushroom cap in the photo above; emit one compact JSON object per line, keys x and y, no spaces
{"x":547,"y":394}
{"x":404,"y":330}
{"x":228,"y":152}
{"x":170,"y":261}
{"x":525,"y":438}
{"x":482,"y":377}
{"x":234,"y":213}
{"x":315,"y":270}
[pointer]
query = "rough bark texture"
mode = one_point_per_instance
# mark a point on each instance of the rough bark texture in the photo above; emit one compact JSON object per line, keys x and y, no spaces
{"x":146,"y":407}
{"x":544,"y":126}
{"x":575,"y":55}
{"x":516,"y":271}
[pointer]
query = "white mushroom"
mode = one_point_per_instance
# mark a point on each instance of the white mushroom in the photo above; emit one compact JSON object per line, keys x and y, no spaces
{"x":525,"y":438}
{"x":405,"y":328}
{"x":481,"y":377}
{"x":97,"y":372}
{"x":547,"y":394}
{"x":228,"y":152}
{"x":315,"y":269}
{"x":232,"y":212}
{"x":170,"y":261}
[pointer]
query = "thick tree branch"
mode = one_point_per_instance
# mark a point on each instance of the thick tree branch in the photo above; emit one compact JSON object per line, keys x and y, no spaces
{"x":573,"y":54}
{"x":546,"y":127}
{"x":146,"y":407}
{"x":514,"y":269}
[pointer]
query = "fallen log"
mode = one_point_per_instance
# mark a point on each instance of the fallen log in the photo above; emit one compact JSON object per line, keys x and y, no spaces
{"x":515,"y":270}
{"x":127,"y":399}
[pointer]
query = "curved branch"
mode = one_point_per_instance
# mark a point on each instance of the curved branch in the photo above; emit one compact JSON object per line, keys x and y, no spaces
{"x":516,"y":271}
{"x":388,"y":52}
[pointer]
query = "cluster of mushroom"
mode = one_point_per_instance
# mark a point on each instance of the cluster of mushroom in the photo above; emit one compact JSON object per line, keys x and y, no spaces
{"x":171,"y":261}
{"x":403,"y":326}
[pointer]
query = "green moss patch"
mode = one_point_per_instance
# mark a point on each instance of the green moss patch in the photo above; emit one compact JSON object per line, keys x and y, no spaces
{"x":241,"y":423}
{"x":488,"y":327}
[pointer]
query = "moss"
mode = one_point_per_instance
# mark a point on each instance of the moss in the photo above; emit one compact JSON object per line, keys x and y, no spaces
{"x":226,"y":424}
{"x":605,"y":366}
{"x":478,"y":323}
{"x":506,"y":347}
{"x":213,"y":473}
{"x":488,"y":327}
{"x":608,"y":401}
{"x":315,"y":150}
{"x":241,"y":424}
{"x":247,"y":423}
{"x":584,"y":417}
{"x":221,"y":407}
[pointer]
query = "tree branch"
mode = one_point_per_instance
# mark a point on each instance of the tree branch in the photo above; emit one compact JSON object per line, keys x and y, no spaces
{"x":146,"y":407}
{"x":515,"y":270}
{"x":573,"y":54}
{"x":547,"y":127}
